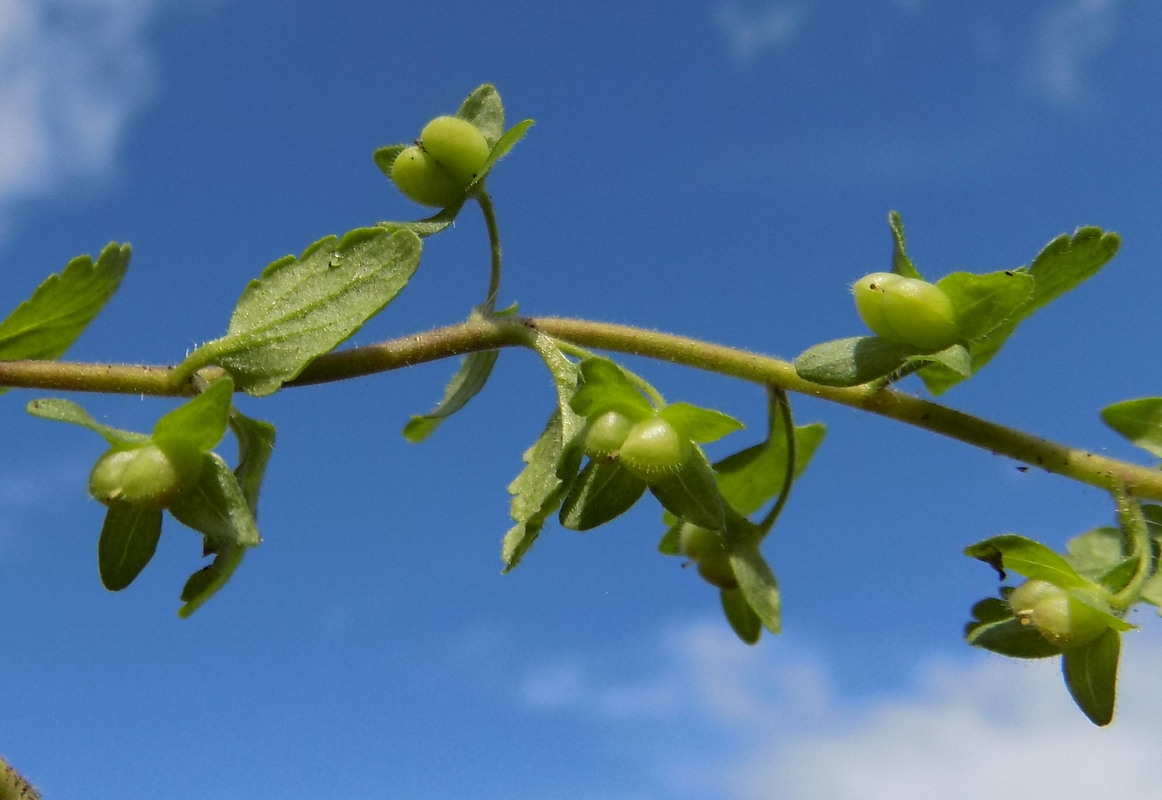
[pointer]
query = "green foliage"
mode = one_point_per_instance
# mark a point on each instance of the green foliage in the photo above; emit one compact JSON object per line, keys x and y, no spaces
{"x":46,"y":325}
{"x":301,"y":308}
{"x":1091,"y":675}
{"x":1140,"y":421}
{"x":128,"y":540}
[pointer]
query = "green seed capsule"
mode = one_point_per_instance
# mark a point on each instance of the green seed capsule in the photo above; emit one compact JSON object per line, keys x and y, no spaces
{"x":424,"y":181}
{"x":906,"y":310}
{"x":457,"y":145}
{"x":699,"y":543}
{"x":605,"y":433}
{"x":144,"y":476}
{"x":716,"y":570}
{"x":1058,"y":616}
{"x":654,"y":448}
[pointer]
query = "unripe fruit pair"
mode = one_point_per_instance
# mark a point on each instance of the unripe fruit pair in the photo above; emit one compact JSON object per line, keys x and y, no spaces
{"x":906,"y":310}
{"x":649,"y":449}
{"x":448,"y":157}
{"x":144,"y":476}
{"x":1061,"y":618}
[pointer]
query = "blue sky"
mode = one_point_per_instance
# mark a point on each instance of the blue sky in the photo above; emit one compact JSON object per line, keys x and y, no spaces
{"x":714,"y":169}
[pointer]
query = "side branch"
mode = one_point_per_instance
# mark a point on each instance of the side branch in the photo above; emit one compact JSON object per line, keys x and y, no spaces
{"x":482,"y":334}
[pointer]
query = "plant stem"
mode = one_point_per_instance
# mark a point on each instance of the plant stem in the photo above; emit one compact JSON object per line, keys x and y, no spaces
{"x":779,"y":405}
{"x":1137,"y":537}
{"x":13,"y":786}
{"x":489,"y":212}
{"x":485,"y":334}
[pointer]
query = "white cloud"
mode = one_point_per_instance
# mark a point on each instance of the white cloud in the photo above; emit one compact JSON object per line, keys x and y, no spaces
{"x":984,"y":727}
{"x":71,"y":74}
{"x":751,"y":33}
{"x":1067,"y":37}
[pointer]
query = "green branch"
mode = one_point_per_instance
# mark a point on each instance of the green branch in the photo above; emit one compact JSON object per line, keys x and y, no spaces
{"x":486,"y":334}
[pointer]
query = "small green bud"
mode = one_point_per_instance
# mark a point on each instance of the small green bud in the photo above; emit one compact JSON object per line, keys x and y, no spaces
{"x":143,"y":476}
{"x":653,"y":448}
{"x":906,"y":310}
{"x":605,"y":433}
{"x":1057,"y":615}
{"x":422,"y":180}
{"x":456,"y":145}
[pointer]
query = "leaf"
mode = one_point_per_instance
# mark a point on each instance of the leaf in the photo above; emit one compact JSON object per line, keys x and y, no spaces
{"x":302,"y":308}
{"x":46,"y":325}
{"x":198,"y":424}
{"x":1139,"y":421}
{"x":984,"y":303}
{"x":428,"y":226}
{"x":691,"y":492}
{"x":604,"y":387}
{"x":670,"y":545}
{"x":484,"y":110}
{"x":956,"y":358}
{"x":537,"y":491}
{"x":751,"y":477}
{"x":757,"y":584}
{"x":502,"y":148}
{"x":901,"y":264}
{"x":216,"y":506}
{"x":1008,"y":637}
{"x":68,"y":411}
{"x":1028,"y":558}
{"x":1062,"y":265}
{"x":473,"y":374}
{"x":602,"y":492}
{"x":741,"y":616}
{"x":1091,"y":675}
{"x":128,"y":541}
{"x":1095,"y":552}
{"x":206,"y":582}
{"x":255,"y":446}
{"x":551,"y":463}
{"x":699,"y":424}
{"x":851,"y":362}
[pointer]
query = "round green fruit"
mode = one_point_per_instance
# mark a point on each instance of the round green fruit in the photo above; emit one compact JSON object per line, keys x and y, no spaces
{"x":716,"y":570}
{"x":1058,"y":616}
{"x":457,"y":145}
{"x":906,"y":310}
{"x":700,"y":543}
{"x":421,"y":179}
{"x":654,"y":448}
{"x":144,"y":476}
{"x":605,"y":433}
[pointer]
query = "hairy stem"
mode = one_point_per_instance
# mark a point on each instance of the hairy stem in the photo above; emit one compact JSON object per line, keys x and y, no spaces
{"x":485,"y":334}
{"x":13,"y":786}
{"x":489,"y":212}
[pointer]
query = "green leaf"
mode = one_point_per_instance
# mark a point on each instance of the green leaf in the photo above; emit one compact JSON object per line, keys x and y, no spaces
{"x":757,"y":584}
{"x":302,"y":308}
{"x":46,"y":325}
{"x":1063,"y":264}
{"x":128,"y":541}
{"x":604,"y":387}
{"x":67,"y":411}
{"x":216,"y":506}
{"x":691,"y":492}
{"x":670,"y":545}
{"x":428,"y":226}
{"x":206,"y":582}
{"x":1095,"y":552}
{"x":1028,"y":558}
{"x":602,"y":492}
{"x":751,"y":477}
{"x":484,"y":110}
{"x":1008,"y":637}
{"x":984,"y":303}
{"x":1091,"y":675}
{"x":1139,"y":421}
{"x":742,"y":618}
{"x":501,"y":148}
{"x":198,"y":424}
{"x":551,"y":463}
{"x":1152,"y":591}
{"x":956,"y":358}
{"x":851,"y":362}
{"x":473,"y":374}
{"x":901,"y":264}
{"x":699,"y":424}
{"x":255,"y":446}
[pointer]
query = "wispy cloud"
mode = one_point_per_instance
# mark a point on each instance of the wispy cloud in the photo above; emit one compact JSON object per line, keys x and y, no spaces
{"x":750,"y":33}
{"x":1067,"y":37}
{"x":982,"y":728}
{"x":71,"y":74}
